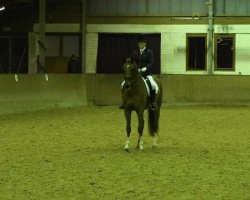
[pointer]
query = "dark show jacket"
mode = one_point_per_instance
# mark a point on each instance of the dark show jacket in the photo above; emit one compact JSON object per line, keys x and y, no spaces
{"x":146,"y":59}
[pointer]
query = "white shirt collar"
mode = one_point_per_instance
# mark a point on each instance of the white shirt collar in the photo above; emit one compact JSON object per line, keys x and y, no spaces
{"x":142,"y":50}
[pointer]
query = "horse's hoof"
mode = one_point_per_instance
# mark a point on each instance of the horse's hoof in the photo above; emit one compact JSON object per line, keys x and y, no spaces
{"x":139,"y":148}
{"x":126,"y":149}
{"x":154,"y":146}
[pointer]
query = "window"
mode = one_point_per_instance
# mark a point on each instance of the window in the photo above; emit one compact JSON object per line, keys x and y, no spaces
{"x":71,"y":45}
{"x":196,"y":51}
{"x":224,"y":52}
{"x":62,"y":45}
{"x":13,"y":54}
{"x":112,"y":48}
{"x":59,"y":49}
{"x":52,"y":46}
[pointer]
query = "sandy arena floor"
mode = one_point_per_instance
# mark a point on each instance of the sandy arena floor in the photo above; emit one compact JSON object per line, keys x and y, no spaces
{"x":203,"y":153}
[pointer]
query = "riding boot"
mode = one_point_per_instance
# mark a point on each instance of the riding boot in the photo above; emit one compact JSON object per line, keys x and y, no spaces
{"x":154,"y":105}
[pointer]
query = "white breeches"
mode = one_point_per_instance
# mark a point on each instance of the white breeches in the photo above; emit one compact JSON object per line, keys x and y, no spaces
{"x":152,"y":81}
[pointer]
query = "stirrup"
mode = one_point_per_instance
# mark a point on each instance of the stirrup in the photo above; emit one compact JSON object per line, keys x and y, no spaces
{"x":154,"y":106}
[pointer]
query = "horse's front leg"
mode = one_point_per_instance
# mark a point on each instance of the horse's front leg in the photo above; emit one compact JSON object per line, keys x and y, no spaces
{"x":155,"y":141}
{"x":128,"y":127}
{"x":140,"y":128}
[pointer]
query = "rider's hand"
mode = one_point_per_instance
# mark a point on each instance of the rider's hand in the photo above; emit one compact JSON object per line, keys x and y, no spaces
{"x":143,"y":69}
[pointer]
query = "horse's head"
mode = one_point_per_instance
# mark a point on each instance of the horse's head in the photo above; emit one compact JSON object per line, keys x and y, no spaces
{"x":130,"y":72}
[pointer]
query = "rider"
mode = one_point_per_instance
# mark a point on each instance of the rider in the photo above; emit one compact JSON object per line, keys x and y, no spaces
{"x":144,"y":59}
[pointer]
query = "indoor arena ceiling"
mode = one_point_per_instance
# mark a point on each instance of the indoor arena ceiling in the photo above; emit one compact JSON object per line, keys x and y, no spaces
{"x":16,"y":9}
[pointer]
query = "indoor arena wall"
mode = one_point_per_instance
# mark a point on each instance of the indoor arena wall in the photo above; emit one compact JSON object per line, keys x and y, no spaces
{"x":33,"y":92}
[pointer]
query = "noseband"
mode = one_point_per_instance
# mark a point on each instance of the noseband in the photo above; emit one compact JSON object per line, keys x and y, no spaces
{"x":128,"y":83}
{"x":128,"y":80}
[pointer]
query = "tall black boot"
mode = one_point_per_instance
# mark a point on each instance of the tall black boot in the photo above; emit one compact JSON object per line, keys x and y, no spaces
{"x":154,"y":105}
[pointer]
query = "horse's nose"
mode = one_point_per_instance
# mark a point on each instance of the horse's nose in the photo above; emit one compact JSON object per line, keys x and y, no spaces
{"x":127,"y":86}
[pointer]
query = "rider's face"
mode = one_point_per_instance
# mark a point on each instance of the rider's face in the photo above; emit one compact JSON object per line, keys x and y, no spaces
{"x":141,"y":45}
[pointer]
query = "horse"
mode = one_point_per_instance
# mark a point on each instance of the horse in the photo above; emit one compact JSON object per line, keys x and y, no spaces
{"x":135,"y":98}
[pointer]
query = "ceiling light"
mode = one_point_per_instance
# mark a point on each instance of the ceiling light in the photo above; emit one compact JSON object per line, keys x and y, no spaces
{"x":2,"y":8}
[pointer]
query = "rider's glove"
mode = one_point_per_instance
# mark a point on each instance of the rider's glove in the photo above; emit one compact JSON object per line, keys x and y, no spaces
{"x":143,"y":69}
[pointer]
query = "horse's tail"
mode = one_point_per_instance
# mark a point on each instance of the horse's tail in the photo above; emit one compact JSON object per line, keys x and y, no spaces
{"x":153,"y":119}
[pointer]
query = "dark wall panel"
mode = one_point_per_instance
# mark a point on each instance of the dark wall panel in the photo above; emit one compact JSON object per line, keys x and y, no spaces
{"x":200,"y":7}
{"x":230,"y":7}
{"x":117,"y":7}
{"x":176,"y":7}
{"x":97,"y":7}
{"x":136,"y":7}
{"x":154,"y":8}
{"x":219,"y":8}
{"x":241,"y":8}
{"x":167,"y":7}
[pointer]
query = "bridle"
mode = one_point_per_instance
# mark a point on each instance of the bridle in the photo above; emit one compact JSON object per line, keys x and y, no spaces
{"x":128,"y":80}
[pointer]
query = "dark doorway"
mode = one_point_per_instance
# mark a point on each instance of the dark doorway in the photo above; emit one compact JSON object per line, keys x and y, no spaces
{"x":113,"y":48}
{"x":4,"y":55}
{"x":19,"y":55}
{"x":13,"y":54}
{"x":196,"y":52}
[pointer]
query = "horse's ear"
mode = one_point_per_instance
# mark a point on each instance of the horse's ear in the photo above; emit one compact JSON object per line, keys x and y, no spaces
{"x":128,"y":60}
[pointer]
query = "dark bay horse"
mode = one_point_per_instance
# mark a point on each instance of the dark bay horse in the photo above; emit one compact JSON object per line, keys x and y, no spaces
{"x":135,"y":98}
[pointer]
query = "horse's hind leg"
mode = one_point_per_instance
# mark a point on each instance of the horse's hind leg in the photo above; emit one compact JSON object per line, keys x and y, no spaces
{"x":128,"y":127}
{"x":140,"y":129}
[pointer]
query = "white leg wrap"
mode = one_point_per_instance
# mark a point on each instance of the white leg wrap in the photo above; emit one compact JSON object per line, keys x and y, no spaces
{"x":140,"y":143}
{"x":127,"y":144}
{"x":155,"y":141}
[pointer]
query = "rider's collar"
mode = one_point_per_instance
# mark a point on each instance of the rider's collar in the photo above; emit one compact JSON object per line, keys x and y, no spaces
{"x":142,"y":50}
